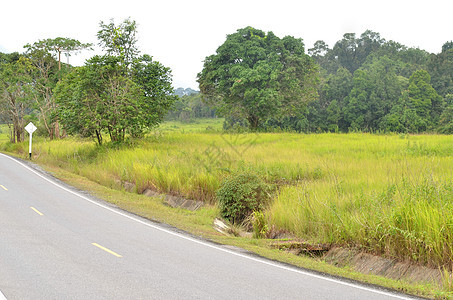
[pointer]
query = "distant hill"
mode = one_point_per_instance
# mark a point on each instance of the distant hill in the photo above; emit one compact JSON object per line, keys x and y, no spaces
{"x":185,"y":92}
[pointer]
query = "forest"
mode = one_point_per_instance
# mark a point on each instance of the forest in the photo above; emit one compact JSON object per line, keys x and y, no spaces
{"x":366,"y":84}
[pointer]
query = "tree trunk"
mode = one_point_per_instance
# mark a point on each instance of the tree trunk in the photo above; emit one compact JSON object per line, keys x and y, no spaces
{"x":99,"y":136}
{"x":56,"y":130}
{"x":254,"y":122}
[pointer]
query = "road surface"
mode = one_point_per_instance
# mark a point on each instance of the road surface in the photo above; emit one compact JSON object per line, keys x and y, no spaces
{"x":58,"y":243}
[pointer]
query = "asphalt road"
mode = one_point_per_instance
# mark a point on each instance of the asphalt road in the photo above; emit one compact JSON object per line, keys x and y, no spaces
{"x":57,"y":243}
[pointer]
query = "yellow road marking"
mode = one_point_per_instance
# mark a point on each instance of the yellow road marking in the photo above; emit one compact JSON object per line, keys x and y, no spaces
{"x":106,"y":250}
{"x":3,"y":187}
{"x":37,"y":211}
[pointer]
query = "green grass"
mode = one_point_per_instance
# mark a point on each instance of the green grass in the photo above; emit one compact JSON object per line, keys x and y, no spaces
{"x":4,"y":133}
{"x":390,"y":195}
{"x":196,"y":125}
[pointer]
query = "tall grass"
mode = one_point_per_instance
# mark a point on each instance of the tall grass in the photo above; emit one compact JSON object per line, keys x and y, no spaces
{"x":388,"y":194}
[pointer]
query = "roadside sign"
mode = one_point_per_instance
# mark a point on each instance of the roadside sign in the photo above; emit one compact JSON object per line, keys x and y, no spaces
{"x":30,"y":129}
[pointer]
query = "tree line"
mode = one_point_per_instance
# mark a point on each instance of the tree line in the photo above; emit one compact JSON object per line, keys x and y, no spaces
{"x":255,"y":79}
{"x":119,"y":93}
{"x":362,"y":83}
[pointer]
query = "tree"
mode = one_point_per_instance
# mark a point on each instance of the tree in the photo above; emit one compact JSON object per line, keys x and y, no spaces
{"x":419,"y":107}
{"x":119,"y":40}
{"x":255,"y":75}
{"x":154,"y":79}
{"x":441,"y":69}
{"x":427,"y":102}
{"x":59,"y":45}
{"x":351,"y":52}
{"x":46,"y":73}
{"x":15,"y":90}
{"x":446,"y":118}
{"x":106,"y":96}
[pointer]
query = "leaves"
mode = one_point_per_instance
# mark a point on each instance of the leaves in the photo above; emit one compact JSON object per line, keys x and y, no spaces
{"x":255,"y":75}
{"x":117,"y":93}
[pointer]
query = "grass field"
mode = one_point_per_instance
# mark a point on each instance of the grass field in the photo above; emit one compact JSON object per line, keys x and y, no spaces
{"x":387,"y":194}
{"x":4,"y":133}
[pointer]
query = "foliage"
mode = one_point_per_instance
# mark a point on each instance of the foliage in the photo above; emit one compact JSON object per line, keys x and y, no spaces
{"x":240,"y":195}
{"x":59,"y":45}
{"x":446,"y":118}
{"x":255,"y":75}
{"x":98,"y":97}
{"x":259,"y":222}
{"x":46,"y":72}
{"x":119,"y":40}
{"x":189,"y":107}
{"x":15,"y":90}
{"x":418,"y":108}
{"x":440,"y":68}
{"x":366,"y":86}
{"x":115,"y":94}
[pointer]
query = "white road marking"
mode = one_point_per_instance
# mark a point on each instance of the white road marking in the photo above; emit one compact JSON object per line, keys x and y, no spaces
{"x":2,"y":297}
{"x":266,"y":262}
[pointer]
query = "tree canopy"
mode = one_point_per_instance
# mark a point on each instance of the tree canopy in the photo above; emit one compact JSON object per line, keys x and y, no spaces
{"x":371,"y":84}
{"x":256,"y":75}
{"x":116,"y":93}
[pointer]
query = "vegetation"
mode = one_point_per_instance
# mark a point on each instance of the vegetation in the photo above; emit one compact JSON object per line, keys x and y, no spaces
{"x":255,"y":80}
{"x":255,"y":75}
{"x":240,"y":195}
{"x":189,"y":107}
{"x":370,"y":84}
{"x":389,"y":194}
{"x":118,"y":92}
{"x":14,"y":97}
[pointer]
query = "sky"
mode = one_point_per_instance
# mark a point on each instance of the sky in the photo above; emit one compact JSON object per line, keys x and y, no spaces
{"x":181,"y":34}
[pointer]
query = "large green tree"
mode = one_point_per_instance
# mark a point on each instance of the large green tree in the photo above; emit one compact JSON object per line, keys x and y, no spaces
{"x":441,"y":69}
{"x":256,"y":75}
{"x":418,"y":109}
{"x":374,"y":92}
{"x":111,"y":95}
{"x":446,"y":118}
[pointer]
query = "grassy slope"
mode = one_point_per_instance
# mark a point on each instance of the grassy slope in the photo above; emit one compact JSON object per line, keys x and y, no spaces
{"x":346,"y":177}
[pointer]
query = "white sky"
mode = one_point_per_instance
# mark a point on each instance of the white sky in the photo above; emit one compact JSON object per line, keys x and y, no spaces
{"x":180,"y":34}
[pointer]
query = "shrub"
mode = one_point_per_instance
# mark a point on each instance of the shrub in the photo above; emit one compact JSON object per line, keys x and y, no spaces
{"x":240,"y":195}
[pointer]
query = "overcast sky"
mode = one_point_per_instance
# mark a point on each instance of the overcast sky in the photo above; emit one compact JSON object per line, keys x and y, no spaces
{"x":180,"y":34}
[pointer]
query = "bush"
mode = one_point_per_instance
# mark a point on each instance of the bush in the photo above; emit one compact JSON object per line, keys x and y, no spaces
{"x":240,"y":195}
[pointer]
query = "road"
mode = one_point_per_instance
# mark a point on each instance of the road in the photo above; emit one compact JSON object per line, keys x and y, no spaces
{"x":58,"y":243}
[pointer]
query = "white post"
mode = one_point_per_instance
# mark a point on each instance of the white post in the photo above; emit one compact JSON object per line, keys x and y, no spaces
{"x":30,"y":129}
{"x":29,"y":146}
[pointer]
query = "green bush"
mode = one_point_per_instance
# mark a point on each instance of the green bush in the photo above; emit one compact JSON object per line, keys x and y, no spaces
{"x":240,"y":195}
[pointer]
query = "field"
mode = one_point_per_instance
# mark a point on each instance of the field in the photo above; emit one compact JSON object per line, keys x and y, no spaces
{"x":387,"y":194}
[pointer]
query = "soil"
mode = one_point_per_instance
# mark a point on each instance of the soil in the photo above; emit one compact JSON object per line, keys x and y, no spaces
{"x":391,"y":268}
